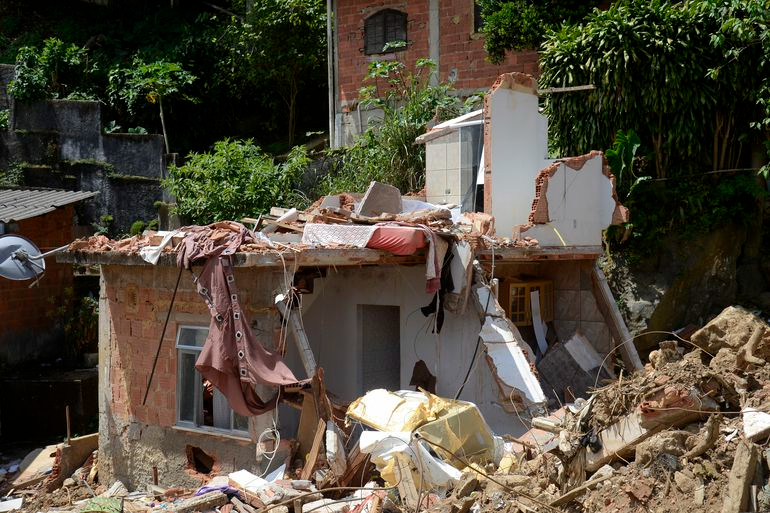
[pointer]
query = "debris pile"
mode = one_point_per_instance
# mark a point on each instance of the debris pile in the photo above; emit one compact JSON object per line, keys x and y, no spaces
{"x":379,"y":219}
{"x":689,"y":433}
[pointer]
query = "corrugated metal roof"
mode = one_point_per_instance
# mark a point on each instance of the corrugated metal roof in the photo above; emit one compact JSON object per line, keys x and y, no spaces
{"x":19,"y":203}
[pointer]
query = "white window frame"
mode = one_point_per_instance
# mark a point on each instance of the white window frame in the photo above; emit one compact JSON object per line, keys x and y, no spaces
{"x":197,"y":423}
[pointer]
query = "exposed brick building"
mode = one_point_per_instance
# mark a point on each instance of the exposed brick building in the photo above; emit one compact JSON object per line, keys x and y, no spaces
{"x":444,"y":31}
{"x":46,"y":218}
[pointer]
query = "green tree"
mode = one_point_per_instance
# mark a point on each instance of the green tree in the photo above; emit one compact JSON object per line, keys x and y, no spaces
{"x":278,"y":47}
{"x":386,"y":150}
{"x":54,"y":71}
{"x":235,"y":180}
{"x":744,"y":39}
{"x":650,"y":62}
{"x":151,"y":82}
{"x":523,"y":24}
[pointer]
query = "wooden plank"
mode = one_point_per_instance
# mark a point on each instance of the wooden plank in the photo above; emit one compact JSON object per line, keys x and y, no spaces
{"x":308,"y":420}
{"x":580,"y":490}
{"x":606,"y":303}
{"x":312,"y":458}
{"x":621,"y":438}
{"x":736,"y":498}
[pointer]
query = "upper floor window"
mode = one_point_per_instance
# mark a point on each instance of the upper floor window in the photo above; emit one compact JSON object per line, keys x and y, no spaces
{"x":199,"y":404}
{"x":478,"y":21}
{"x":383,"y":27}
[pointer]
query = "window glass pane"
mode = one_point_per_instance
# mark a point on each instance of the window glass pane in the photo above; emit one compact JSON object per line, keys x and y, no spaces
{"x":192,"y":336}
{"x":188,"y":387}
{"x":240,"y":423}
{"x":221,"y":411}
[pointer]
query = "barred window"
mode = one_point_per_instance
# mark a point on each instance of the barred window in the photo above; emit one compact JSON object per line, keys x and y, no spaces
{"x":383,"y":27}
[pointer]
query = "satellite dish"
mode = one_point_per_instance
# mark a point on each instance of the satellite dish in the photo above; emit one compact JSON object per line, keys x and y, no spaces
{"x":20,"y":259}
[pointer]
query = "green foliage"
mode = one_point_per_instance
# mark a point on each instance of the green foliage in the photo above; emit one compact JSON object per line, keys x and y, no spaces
{"x":523,"y":24}
{"x":4,"y":119}
{"x":137,"y":227}
{"x":621,"y":160}
{"x":678,"y":72}
{"x":152,"y":81}
{"x":104,"y":225}
{"x":744,"y":39}
{"x":241,"y":88}
{"x":653,"y":63}
{"x":278,"y":45}
{"x":12,"y":176}
{"x":147,"y":82}
{"x":235,"y":180}
{"x":79,"y":316}
{"x":386,"y":151}
{"x":55,"y":71}
{"x":688,"y":207}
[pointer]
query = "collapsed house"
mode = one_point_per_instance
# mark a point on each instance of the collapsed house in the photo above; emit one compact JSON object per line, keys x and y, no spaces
{"x":358,"y":293}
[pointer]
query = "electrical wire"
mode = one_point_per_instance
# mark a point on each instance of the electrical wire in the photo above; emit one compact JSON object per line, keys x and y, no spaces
{"x":630,"y":340}
{"x":162,"y":334}
{"x":478,"y":339}
{"x":472,"y":467}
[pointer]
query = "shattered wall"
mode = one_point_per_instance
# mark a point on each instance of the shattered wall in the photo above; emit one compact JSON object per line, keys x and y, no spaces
{"x":330,"y":320}
{"x":134,"y":437}
{"x":564,"y":202}
{"x":30,"y":327}
{"x":515,"y":149}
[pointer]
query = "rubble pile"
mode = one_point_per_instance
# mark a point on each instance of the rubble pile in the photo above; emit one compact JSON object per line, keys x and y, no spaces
{"x":381,"y":206}
{"x":685,"y":432}
{"x":689,"y":433}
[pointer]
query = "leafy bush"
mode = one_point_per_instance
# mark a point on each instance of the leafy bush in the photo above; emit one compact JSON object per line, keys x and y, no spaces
{"x":4,"y":119}
{"x":386,"y":151}
{"x":523,"y":24}
{"x":653,"y":64}
{"x":14,"y":175}
{"x":149,"y":81}
{"x":55,"y":71}
{"x":235,"y":180}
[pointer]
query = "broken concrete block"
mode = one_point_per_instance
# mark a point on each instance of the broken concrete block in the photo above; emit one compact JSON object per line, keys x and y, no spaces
{"x":621,"y":438}
{"x":756,"y":424}
{"x":380,"y":199}
{"x":731,"y":328}
{"x":327,"y":506}
{"x":11,"y":504}
{"x":467,"y":486}
{"x":205,"y":502}
{"x":736,"y":498}
{"x":35,"y":467}
{"x":69,"y":457}
{"x":573,"y":365}
{"x":335,"y":450}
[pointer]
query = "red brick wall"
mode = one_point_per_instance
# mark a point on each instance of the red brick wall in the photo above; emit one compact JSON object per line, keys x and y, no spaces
{"x":464,"y":51}
{"x":352,"y":63}
{"x":460,"y":49}
{"x":26,"y":311}
{"x":139,"y":298}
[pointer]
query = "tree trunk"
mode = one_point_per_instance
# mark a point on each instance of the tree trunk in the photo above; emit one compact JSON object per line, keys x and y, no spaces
{"x":163,"y":123}
{"x":292,"y":109}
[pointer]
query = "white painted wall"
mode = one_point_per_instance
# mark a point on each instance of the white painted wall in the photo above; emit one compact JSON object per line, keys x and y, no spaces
{"x":330,"y":318}
{"x":580,"y":206}
{"x":519,"y":150}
